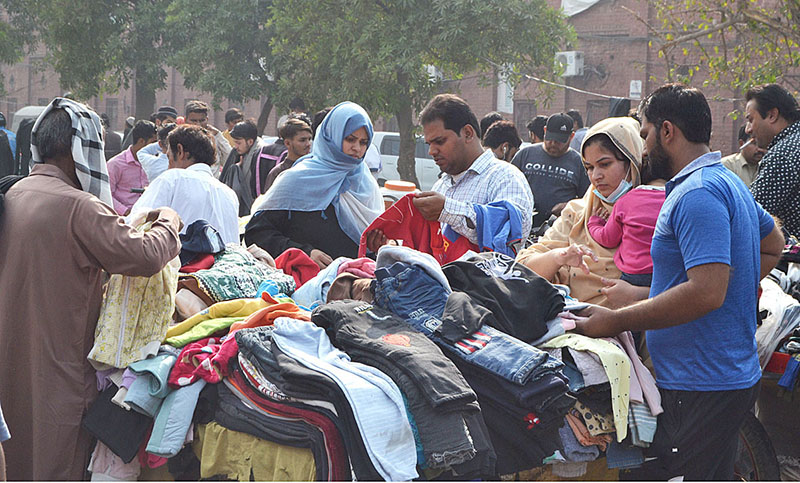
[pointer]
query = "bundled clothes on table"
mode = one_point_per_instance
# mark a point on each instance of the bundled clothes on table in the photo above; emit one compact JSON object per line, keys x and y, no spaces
{"x":134,"y":317}
{"x":438,"y":398}
{"x":518,"y":386}
{"x":235,"y":274}
{"x":618,"y":400}
{"x":430,"y":373}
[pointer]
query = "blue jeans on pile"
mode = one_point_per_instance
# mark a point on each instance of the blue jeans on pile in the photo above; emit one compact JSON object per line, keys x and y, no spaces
{"x":411,"y":293}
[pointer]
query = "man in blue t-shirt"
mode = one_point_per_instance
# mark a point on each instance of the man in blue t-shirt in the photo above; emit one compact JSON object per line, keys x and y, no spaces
{"x":712,"y":245}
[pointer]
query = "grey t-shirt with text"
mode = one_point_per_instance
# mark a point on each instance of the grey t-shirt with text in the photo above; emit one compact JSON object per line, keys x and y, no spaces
{"x":552,"y":180}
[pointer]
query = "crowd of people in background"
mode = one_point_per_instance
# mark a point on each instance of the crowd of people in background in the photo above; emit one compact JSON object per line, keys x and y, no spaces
{"x":636,"y":215}
{"x":551,"y":161}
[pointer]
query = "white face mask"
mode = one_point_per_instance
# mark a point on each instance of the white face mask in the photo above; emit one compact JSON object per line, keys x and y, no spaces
{"x":623,"y":187}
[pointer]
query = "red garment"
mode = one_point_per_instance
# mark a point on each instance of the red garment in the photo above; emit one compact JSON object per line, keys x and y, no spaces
{"x":296,"y":263}
{"x":402,"y":221}
{"x":360,"y":267}
{"x":446,"y":250}
{"x":205,"y":359}
{"x":200,"y":262}
{"x":149,"y":460}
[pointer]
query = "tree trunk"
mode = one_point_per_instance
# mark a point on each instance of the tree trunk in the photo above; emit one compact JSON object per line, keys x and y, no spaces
{"x":406,"y":162}
{"x":264,"y":115}
{"x":145,"y":100}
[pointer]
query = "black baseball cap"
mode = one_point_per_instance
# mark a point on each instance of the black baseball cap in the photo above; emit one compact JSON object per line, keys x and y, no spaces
{"x":558,"y":128}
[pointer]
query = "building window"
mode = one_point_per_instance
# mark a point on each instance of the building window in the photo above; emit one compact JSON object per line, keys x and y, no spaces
{"x":112,"y":110}
{"x":505,"y":95}
{"x":596,"y":111}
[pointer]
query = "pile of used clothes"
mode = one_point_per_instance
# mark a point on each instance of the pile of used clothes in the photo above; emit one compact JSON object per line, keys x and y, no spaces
{"x":778,"y":334}
{"x":240,"y":367}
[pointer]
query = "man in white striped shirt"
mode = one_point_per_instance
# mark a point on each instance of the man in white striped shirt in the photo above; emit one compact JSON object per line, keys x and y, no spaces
{"x":471,"y":175}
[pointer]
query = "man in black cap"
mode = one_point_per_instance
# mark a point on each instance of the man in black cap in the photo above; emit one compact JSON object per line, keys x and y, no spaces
{"x":554,"y":170}
{"x":166,"y":115}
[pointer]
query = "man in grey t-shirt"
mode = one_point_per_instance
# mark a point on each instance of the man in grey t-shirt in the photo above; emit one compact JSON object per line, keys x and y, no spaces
{"x":554,"y":170}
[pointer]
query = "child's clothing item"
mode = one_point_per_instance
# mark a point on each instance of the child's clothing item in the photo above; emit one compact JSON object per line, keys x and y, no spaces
{"x":630,"y":227}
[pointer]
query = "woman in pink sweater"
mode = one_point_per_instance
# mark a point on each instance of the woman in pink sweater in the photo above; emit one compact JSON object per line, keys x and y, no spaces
{"x":630,"y":226}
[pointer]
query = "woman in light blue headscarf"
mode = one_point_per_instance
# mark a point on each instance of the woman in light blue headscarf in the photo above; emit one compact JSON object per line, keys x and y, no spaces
{"x":323,"y":203}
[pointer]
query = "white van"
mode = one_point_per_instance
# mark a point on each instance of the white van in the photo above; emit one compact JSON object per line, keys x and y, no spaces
{"x":28,"y":112}
{"x":388,"y":143}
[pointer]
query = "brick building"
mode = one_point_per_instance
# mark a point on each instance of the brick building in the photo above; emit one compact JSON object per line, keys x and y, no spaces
{"x":617,"y":61}
{"x":29,"y":85}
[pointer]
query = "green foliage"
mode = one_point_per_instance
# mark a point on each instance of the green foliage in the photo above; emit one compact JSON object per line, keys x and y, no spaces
{"x":222,"y":47}
{"x":12,"y":42}
{"x":97,"y":46}
{"x":738,"y":43}
{"x":378,"y":52}
{"x":375,"y":52}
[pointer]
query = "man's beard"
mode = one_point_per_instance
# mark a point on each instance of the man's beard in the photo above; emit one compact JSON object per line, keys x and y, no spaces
{"x":659,"y":162}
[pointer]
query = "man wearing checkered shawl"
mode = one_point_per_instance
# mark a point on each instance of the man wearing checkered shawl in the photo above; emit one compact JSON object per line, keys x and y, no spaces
{"x":58,"y":234}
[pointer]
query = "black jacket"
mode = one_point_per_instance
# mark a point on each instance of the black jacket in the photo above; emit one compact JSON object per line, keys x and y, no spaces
{"x":278,"y":230}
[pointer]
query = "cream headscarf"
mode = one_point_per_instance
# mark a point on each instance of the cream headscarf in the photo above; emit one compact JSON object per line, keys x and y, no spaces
{"x":571,"y":226}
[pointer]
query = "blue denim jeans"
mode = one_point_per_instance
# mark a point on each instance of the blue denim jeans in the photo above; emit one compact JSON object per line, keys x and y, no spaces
{"x":414,"y":295}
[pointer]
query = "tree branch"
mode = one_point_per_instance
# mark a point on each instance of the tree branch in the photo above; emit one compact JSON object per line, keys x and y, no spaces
{"x":702,"y":33}
{"x":756,"y":17}
{"x":639,"y":18}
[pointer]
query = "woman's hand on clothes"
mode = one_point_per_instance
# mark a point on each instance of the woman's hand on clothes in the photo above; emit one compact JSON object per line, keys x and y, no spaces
{"x":620,"y":293}
{"x":321,"y":258}
{"x":573,"y":256}
{"x":430,"y":204}
{"x":600,"y":322}
{"x":601,"y":212}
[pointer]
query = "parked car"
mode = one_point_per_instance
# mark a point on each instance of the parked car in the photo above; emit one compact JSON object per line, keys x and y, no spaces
{"x":28,"y":112}
{"x":388,"y":143}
